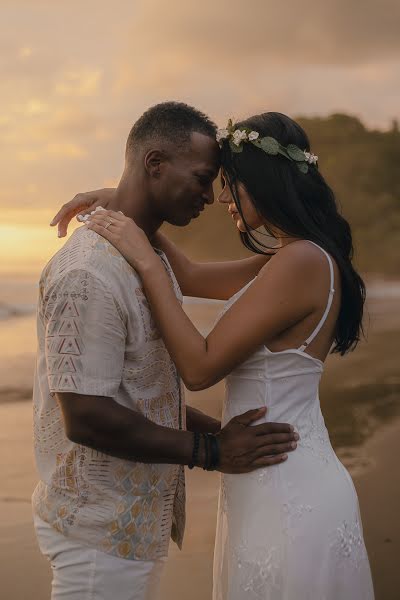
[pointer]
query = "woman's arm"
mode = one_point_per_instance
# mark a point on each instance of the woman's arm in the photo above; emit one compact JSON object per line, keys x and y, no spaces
{"x":287,"y":282}
{"x":219,"y":280}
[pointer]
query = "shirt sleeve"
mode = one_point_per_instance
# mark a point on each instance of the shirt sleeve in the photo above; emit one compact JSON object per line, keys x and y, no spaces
{"x":85,"y":331}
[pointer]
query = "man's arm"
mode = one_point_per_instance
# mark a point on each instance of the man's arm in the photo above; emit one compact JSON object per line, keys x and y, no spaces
{"x":200,"y":422}
{"x":103,"y":424}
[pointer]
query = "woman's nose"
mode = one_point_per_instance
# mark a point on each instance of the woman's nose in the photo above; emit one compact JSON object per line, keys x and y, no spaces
{"x":223,"y":197}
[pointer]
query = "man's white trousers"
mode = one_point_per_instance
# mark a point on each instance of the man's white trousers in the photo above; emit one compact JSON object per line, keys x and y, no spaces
{"x":83,"y":573}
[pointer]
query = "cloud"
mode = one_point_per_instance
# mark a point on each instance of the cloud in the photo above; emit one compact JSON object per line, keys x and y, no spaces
{"x":70,"y":92}
{"x":65,"y":150}
{"x":51,"y":150}
{"x":232,"y":33}
{"x":79,"y":82}
{"x":25,"y":52}
{"x":237,"y":57}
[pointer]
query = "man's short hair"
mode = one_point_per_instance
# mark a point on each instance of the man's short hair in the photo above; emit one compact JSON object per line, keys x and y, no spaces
{"x":173,"y":122}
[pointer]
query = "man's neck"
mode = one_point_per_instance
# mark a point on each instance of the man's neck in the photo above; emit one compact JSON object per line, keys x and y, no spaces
{"x":133,"y":200}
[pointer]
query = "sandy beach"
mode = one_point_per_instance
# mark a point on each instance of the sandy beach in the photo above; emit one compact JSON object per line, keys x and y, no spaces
{"x":188,"y":573}
{"x":364,"y":429}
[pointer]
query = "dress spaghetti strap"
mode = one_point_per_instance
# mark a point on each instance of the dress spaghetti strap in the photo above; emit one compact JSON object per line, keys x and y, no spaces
{"x":329,"y":303}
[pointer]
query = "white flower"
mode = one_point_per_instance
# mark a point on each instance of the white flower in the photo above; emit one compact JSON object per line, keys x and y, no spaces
{"x":310,"y":158}
{"x":253,"y":135}
{"x":239,"y":136}
{"x":222,"y":134}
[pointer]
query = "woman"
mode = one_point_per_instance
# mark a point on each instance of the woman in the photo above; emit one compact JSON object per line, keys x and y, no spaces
{"x":292,"y":531}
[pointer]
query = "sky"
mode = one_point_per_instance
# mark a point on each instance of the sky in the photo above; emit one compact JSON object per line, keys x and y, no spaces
{"x":75,"y":76}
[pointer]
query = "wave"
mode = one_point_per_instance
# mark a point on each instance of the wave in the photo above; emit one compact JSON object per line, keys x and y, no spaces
{"x":376,"y":290}
{"x":8,"y":311}
{"x":14,"y":394}
{"x":383,"y":290}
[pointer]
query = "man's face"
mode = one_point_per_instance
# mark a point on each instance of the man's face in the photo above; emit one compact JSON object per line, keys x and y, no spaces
{"x":186,"y":180}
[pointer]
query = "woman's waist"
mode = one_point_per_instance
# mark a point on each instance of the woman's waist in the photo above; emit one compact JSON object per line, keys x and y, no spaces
{"x":298,"y":408}
{"x":307,"y":474}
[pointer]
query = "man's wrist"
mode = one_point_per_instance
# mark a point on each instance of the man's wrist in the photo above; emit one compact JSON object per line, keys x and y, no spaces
{"x":197,"y":421}
{"x":214,"y":426}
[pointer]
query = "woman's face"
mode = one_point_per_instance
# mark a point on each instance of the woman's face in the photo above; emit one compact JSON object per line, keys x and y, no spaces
{"x":253,"y":219}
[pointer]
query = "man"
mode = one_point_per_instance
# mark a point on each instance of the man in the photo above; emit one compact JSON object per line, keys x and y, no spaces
{"x":112,"y":434}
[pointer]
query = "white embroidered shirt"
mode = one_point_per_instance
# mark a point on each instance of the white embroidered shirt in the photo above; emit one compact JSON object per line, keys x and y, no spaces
{"x":96,"y":336}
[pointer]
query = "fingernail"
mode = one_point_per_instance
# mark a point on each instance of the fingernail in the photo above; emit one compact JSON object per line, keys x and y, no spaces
{"x":293,"y":445}
{"x":291,"y":428}
{"x":284,"y":457}
{"x":58,"y":234}
{"x":52,"y":223}
{"x":296,"y":436}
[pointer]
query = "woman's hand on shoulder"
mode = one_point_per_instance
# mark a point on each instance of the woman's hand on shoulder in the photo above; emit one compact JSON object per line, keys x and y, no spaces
{"x":81,"y":204}
{"x":129,"y":239}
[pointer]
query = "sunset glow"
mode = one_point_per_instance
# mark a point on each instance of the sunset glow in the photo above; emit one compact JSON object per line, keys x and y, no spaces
{"x":69,"y":93}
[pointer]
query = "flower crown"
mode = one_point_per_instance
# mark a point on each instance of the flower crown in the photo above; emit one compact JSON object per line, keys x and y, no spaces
{"x":268,"y":144}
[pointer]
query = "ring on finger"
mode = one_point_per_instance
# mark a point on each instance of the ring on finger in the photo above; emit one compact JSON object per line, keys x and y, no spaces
{"x":110,"y":222}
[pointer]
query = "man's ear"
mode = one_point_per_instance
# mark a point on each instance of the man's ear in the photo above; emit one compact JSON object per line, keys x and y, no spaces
{"x":154,"y":162}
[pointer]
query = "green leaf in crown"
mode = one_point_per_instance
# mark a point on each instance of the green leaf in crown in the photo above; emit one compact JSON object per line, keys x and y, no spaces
{"x":269,"y":145}
{"x":295,"y":153}
{"x":303,"y":167}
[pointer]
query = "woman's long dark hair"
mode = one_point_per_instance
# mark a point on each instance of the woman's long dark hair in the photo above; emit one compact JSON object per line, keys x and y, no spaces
{"x":302,"y":205}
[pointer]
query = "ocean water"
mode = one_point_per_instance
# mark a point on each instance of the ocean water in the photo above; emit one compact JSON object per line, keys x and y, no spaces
{"x":18,"y":298}
{"x":359,"y":393}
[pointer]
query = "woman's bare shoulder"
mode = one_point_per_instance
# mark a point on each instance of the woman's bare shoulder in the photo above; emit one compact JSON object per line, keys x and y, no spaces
{"x":300,"y":254}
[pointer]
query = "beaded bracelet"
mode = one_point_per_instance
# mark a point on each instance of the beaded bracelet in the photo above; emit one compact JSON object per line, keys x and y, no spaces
{"x":206,"y":451}
{"x":195,"y":453}
{"x":214,"y":462}
{"x":212,"y":452}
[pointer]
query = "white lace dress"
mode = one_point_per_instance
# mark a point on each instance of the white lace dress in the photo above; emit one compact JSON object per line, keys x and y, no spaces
{"x":291,"y":531}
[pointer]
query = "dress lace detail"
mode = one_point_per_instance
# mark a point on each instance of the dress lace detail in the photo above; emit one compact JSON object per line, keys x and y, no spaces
{"x":349,"y":544}
{"x":316,"y":441}
{"x":294,"y":513}
{"x":257,"y":570}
